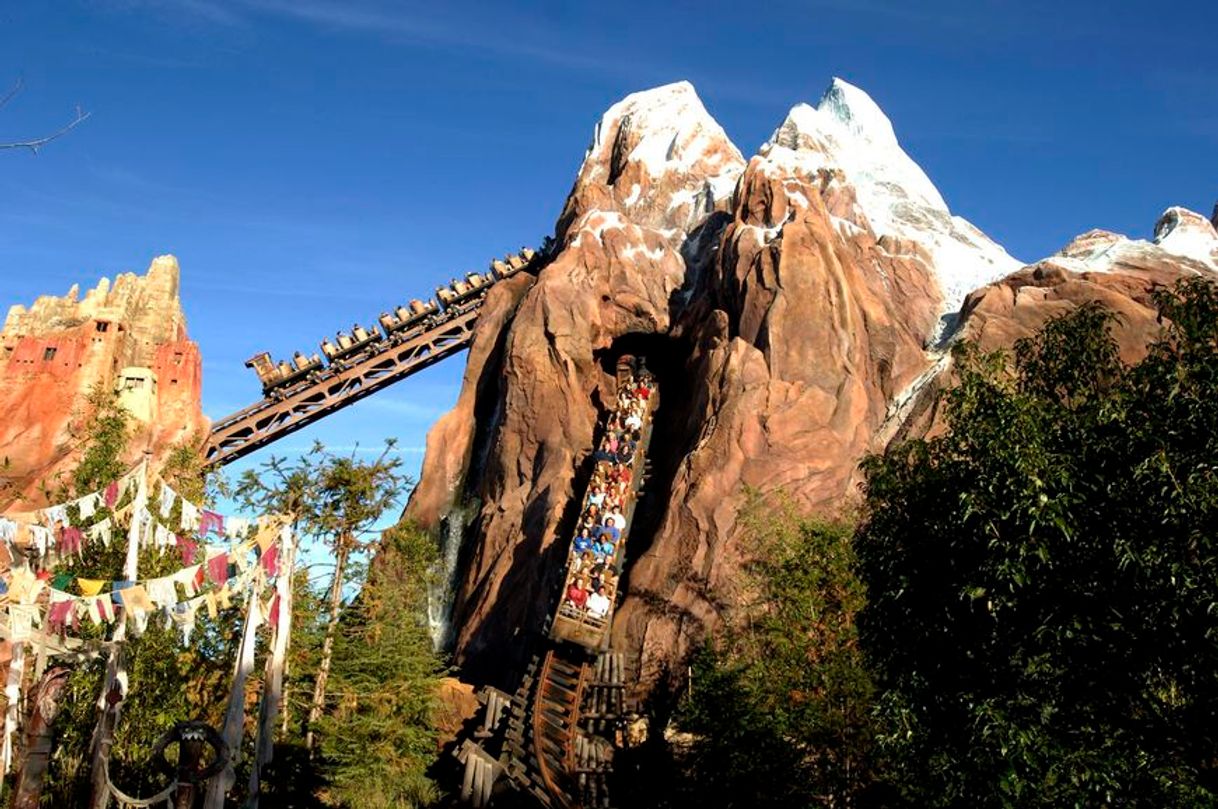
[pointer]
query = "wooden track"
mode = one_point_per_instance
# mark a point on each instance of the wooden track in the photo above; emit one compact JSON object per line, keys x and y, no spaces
{"x":556,"y":706}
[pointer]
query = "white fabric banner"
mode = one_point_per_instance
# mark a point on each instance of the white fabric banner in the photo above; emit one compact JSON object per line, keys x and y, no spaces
{"x":234,"y":719}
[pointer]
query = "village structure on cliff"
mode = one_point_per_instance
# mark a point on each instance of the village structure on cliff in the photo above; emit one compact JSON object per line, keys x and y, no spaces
{"x":703,"y":331}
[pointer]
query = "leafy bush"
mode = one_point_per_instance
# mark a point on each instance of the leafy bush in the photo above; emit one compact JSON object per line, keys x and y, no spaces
{"x":1042,"y":579}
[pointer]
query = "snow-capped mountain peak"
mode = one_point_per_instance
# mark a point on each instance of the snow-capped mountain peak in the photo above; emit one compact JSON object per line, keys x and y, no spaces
{"x":672,"y":129}
{"x":857,"y":112}
{"x":1188,"y":234}
{"x":849,"y":133}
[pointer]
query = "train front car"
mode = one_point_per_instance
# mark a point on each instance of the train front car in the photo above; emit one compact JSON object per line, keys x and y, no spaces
{"x":264,"y":367}
{"x":278,"y":378}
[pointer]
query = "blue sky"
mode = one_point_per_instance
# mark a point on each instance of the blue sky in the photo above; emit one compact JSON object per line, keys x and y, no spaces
{"x":312,"y":162}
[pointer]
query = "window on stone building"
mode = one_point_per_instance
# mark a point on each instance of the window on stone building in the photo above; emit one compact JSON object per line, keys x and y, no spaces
{"x":49,"y":354}
{"x":102,"y":325}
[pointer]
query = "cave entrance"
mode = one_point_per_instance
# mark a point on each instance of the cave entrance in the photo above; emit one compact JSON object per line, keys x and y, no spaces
{"x":673,"y":431}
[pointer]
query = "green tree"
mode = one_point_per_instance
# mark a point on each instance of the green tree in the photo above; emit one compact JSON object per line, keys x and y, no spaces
{"x":337,"y":501}
{"x":1042,"y":579}
{"x":369,"y":720}
{"x":378,"y":735}
{"x":779,"y":705}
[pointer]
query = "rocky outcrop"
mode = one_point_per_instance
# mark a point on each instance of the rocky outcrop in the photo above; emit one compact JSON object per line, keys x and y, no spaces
{"x":1118,"y":272}
{"x":129,"y":336}
{"x":792,"y":306}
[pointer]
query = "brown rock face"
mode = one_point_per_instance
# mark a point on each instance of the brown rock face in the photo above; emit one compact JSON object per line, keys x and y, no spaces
{"x":1119,"y":273}
{"x":778,"y":334}
{"x":132,"y":336}
{"x":786,"y":306}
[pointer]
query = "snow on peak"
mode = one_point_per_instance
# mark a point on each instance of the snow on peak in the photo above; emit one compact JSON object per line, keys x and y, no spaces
{"x":660,"y":158}
{"x":666,"y":128}
{"x":848,"y":132}
{"x":1189,"y":234}
{"x":1179,"y":234}
{"x":857,"y":112}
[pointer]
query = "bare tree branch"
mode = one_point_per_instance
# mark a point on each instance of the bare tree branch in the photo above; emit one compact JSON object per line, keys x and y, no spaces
{"x":17,"y":85}
{"x":37,"y":143}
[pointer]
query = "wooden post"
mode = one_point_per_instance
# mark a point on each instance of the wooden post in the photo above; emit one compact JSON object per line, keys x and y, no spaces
{"x":113,"y":688}
{"x":27,"y":791}
{"x":190,"y":756}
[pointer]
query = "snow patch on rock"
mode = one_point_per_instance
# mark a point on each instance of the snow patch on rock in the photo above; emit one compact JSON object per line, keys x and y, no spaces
{"x":1181,"y":237}
{"x":596,"y":223}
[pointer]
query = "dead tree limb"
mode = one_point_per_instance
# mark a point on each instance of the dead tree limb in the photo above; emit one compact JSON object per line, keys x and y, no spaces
{"x":35,"y":144}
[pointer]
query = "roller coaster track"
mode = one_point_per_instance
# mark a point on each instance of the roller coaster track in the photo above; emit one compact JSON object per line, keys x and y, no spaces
{"x":336,"y":387}
{"x":556,"y":725}
{"x":556,"y":736}
{"x":552,"y":737}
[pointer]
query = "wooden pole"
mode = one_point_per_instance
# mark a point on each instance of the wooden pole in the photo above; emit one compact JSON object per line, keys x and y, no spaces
{"x":327,"y":645}
{"x":114,"y":688}
{"x":39,"y":737}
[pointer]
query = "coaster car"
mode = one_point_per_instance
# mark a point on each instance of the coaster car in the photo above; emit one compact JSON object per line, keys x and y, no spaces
{"x":458,"y":292}
{"x":404,"y":318}
{"x":348,"y":345}
{"x":283,"y":375}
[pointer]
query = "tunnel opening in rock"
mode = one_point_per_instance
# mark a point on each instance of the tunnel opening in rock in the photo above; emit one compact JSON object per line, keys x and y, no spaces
{"x":673,"y":431}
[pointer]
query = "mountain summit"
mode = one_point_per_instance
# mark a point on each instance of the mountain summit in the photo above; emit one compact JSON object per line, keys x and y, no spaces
{"x":848,"y":134}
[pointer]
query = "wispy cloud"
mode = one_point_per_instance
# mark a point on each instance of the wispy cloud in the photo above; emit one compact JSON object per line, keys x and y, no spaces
{"x":384,"y":21}
{"x":212,"y":11}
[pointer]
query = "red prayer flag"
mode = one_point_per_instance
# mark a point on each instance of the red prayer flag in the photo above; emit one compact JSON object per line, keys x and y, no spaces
{"x":188,"y":547}
{"x":217,"y":568}
{"x":270,"y":560}
{"x":211,"y":522}
{"x":57,"y":615}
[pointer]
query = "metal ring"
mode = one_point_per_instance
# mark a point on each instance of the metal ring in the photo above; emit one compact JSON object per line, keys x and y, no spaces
{"x":192,"y":731}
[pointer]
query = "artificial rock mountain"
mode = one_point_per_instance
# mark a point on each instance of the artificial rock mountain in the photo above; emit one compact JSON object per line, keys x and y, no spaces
{"x":795,"y":305}
{"x":130,"y":336}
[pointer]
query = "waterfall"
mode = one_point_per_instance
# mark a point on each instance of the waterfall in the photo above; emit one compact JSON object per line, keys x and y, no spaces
{"x":442,"y":588}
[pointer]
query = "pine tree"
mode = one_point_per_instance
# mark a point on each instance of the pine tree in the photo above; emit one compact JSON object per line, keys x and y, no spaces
{"x":378,"y":733}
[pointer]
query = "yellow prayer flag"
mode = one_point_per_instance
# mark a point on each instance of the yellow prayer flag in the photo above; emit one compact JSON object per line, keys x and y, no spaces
{"x":90,"y":587}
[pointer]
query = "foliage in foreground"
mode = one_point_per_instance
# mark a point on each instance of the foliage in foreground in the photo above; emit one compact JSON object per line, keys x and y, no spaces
{"x":780,"y":705}
{"x":378,"y":733}
{"x":376,"y":730}
{"x":168,"y":682}
{"x":1042,"y":580}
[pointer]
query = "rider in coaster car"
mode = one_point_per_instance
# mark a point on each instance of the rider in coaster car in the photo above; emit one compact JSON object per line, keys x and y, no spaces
{"x":609,"y":532}
{"x":598,"y":604}
{"x":583,"y":541}
{"x":597,"y":496}
{"x":577,"y":594}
